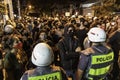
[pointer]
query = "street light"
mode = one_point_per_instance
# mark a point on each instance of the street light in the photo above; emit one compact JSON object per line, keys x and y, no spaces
{"x":19,"y":12}
{"x":9,"y":8}
{"x":29,"y":7}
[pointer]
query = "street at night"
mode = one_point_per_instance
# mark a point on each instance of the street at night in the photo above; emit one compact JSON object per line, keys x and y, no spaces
{"x":59,"y":39}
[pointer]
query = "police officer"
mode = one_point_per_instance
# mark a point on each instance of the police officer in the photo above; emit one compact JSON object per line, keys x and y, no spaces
{"x":10,"y":45}
{"x":96,"y":61}
{"x":42,"y":57}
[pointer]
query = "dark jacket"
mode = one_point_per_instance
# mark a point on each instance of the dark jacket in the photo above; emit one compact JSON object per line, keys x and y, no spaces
{"x":67,"y":45}
{"x":81,"y":34}
{"x":12,"y":67}
{"x":114,"y":41}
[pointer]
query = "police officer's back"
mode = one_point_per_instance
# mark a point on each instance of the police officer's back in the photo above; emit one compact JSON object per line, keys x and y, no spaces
{"x":42,"y":57}
{"x":97,"y":62}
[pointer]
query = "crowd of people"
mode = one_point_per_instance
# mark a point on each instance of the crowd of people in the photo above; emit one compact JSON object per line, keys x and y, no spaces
{"x":76,"y":48}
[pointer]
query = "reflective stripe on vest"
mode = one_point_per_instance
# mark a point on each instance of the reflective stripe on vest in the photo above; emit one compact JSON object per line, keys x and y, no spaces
{"x":98,"y":59}
{"x":100,"y":65}
{"x":92,"y":79}
{"x":97,"y":72}
{"x":52,"y":76}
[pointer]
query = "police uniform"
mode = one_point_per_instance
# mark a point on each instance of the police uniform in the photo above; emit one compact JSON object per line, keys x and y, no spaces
{"x":96,"y":66}
{"x":42,"y":57}
{"x":45,"y":73}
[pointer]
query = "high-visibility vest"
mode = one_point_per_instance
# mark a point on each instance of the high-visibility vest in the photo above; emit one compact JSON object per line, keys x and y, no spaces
{"x":51,"y":76}
{"x":100,"y":65}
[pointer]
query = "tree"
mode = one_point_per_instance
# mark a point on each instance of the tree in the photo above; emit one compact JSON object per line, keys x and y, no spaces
{"x":107,"y":8}
{"x":2,"y":8}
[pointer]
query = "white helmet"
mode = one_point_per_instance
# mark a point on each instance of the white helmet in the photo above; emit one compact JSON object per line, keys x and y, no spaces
{"x":8,"y":28}
{"x":96,"y":35}
{"x":42,"y":55}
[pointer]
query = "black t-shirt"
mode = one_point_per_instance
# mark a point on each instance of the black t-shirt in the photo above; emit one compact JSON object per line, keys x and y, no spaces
{"x":114,"y":40}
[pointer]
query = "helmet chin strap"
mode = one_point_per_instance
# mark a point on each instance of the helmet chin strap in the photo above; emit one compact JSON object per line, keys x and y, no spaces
{"x":34,"y":56}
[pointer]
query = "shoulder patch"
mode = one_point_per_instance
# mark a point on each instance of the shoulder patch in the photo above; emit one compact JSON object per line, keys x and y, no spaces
{"x":88,"y":51}
{"x":56,"y":68}
{"x":29,"y":71}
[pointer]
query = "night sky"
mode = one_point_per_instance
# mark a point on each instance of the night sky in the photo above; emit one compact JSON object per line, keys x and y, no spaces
{"x":52,"y":1}
{"x":44,"y":3}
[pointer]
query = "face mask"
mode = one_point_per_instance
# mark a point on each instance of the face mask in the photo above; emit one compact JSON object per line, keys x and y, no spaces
{"x":42,"y":36}
{"x":18,"y":45}
{"x":70,"y":33}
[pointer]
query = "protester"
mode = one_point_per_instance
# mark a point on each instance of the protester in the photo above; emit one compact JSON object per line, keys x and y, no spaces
{"x":69,"y":51}
{"x":81,"y":32}
{"x":114,"y":42}
{"x":12,"y":60}
{"x":1,"y":63}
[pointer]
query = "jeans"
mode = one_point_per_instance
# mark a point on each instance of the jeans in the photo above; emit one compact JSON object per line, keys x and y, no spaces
{"x":71,"y":74}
